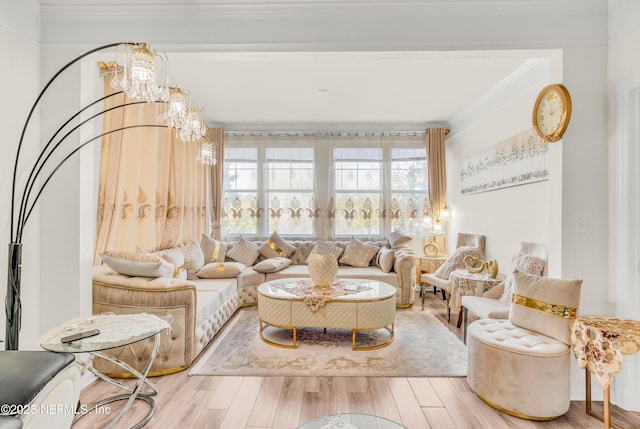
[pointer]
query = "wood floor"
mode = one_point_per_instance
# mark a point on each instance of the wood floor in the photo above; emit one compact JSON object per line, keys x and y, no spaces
{"x":286,"y":402}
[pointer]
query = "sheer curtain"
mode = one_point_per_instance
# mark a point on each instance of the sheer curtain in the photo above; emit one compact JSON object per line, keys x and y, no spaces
{"x":152,"y":189}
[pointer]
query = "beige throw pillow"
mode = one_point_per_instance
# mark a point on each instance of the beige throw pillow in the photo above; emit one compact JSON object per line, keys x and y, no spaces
{"x":272,"y":265}
{"x":385,"y":259}
{"x":358,"y":253}
{"x":525,"y":263}
{"x":175,"y":257}
{"x":244,"y":252}
{"x":456,"y":261}
{"x":534,"y":300}
{"x":324,"y":247}
{"x":193,"y":258}
{"x":276,"y":246}
{"x":137,"y":264}
{"x":213,"y":250}
{"x":397,"y":239}
{"x":221,"y":270}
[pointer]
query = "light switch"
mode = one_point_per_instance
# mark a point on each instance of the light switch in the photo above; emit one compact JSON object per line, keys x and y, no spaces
{"x":580,"y":225}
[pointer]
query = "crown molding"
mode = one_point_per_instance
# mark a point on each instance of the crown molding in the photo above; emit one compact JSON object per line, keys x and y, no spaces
{"x":533,"y":74}
{"x":411,"y":25}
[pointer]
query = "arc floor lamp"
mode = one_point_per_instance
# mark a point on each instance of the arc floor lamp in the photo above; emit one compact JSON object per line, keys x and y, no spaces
{"x":143,"y":77}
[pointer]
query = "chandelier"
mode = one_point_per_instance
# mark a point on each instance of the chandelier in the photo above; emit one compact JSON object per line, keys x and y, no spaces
{"x":175,"y":113}
{"x":144,"y":75}
{"x":193,"y":128}
{"x":207,"y":152}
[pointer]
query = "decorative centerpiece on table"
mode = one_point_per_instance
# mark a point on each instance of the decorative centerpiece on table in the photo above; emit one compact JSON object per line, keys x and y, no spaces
{"x":473,"y":264}
{"x":323,"y":268}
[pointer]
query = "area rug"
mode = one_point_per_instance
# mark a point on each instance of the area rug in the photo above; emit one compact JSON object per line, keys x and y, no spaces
{"x":423,"y":347}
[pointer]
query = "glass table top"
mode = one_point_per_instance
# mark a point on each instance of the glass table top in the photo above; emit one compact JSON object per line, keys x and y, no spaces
{"x":116,"y":330}
{"x":373,"y":289}
{"x":352,"y":421}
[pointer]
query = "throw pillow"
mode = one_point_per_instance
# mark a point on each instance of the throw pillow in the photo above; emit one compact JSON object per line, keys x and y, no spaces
{"x":385,"y":259}
{"x":525,"y":263}
{"x":137,"y":264}
{"x":276,"y":246}
{"x":244,"y":252}
{"x":545,"y":305}
{"x":212,"y":249}
{"x":272,"y":265}
{"x":397,"y":239}
{"x":221,"y":270}
{"x":193,"y":258}
{"x":324,"y":247}
{"x":358,"y":253}
{"x":456,"y":261}
{"x":175,"y":257}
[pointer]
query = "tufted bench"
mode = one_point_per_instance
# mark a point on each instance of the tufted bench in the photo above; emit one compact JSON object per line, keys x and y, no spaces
{"x":518,"y":371}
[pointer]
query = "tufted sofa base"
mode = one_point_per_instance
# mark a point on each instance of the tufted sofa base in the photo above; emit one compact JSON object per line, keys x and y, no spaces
{"x":518,"y":371}
{"x":198,"y":309}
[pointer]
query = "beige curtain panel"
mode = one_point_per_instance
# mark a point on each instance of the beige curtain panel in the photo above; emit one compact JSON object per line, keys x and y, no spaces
{"x":152,"y":190}
{"x":436,"y":170}
{"x":216,"y":136}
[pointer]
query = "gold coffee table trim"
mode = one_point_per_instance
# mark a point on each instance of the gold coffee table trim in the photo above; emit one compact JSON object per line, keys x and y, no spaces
{"x":273,"y":343}
{"x":377,"y":346}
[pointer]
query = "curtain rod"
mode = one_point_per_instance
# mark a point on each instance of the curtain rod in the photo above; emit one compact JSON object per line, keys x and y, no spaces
{"x":332,"y":133}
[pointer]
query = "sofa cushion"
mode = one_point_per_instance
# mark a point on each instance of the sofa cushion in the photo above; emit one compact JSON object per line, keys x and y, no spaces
{"x":176,"y":258}
{"x":244,"y":252}
{"x":138,"y":264}
{"x":545,"y":305}
{"x":397,"y":239}
{"x":524,"y":263}
{"x":456,"y":261}
{"x":358,"y":253}
{"x":250,"y":277}
{"x":221,"y":270}
{"x":272,"y":265}
{"x":276,"y":246}
{"x":384,"y":259}
{"x":225,"y":287}
{"x":213,"y":250}
{"x":325,"y":247}
{"x":193,"y":258}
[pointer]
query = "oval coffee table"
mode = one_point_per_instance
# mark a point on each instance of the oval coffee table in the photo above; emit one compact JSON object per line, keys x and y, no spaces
{"x":366,"y":310}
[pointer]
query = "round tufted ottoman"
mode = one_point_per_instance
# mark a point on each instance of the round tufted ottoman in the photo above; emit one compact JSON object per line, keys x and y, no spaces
{"x":518,"y":371}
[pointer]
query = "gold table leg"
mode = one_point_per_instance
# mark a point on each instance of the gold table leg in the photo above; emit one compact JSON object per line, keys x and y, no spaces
{"x":606,"y":418}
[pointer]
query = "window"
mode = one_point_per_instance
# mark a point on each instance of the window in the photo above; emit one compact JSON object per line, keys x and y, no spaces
{"x":269,"y":185}
{"x":324,"y":186}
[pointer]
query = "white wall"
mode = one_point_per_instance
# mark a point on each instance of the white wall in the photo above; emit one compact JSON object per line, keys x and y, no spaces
{"x":624,"y":239}
{"x":20,"y":73}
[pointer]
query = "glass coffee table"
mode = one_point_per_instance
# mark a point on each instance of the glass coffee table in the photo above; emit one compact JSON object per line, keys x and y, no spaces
{"x":352,"y":421}
{"x":115,"y":330}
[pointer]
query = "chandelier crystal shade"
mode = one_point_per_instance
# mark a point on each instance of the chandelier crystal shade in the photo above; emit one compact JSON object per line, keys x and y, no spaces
{"x":207,"y":152}
{"x":144,"y":75}
{"x":176,"y":109}
{"x":193,"y":128}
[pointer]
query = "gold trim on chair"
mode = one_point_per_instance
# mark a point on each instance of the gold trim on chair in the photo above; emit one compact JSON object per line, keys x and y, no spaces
{"x":544,"y":307}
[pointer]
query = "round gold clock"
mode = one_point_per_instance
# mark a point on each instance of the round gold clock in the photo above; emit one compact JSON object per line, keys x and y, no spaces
{"x":551,"y":112}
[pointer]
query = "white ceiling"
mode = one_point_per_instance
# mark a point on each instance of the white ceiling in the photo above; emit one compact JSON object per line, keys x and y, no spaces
{"x":309,"y":89}
{"x":340,"y":87}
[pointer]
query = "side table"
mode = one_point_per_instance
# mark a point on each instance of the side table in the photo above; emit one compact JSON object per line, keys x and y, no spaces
{"x":116,"y":330}
{"x":462,"y":282}
{"x":599,"y":343}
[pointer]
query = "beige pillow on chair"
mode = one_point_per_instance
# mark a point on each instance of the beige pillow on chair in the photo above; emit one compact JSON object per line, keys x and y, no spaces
{"x":544,"y":305}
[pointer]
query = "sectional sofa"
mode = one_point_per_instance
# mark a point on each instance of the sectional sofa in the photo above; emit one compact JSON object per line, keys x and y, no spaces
{"x":198,"y":308}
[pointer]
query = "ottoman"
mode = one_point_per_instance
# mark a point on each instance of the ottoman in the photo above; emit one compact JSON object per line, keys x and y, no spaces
{"x":518,"y":371}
